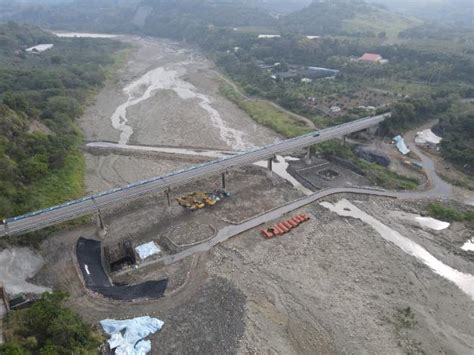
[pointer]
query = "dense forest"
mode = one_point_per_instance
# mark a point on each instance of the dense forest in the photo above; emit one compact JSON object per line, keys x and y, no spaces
{"x":458,"y":143}
{"x":41,"y":94}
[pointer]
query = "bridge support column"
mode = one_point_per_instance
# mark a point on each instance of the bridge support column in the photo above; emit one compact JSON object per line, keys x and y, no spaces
{"x":168,"y":199}
{"x":7,"y":229}
{"x":223,"y":182}
{"x":270,"y":167}
{"x":344,"y":141}
{"x":101,"y":228}
{"x":308,"y":155}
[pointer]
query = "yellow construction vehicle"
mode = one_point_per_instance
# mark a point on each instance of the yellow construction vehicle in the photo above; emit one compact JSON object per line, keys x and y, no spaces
{"x":198,"y":203}
{"x":199,"y":199}
{"x":186,"y":201}
{"x":204,"y":198}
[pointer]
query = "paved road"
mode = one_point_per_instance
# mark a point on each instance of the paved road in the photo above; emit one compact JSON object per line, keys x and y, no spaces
{"x":88,"y":205}
{"x":439,"y":187}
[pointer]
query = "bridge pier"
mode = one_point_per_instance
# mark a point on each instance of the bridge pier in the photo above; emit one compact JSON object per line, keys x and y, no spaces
{"x":270,"y":167}
{"x":168,"y":200}
{"x":223,"y":182}
{"x":308,"y":155}
{"x":7,"y":229}
{"x":101,"y":228}
{"x":343,"y":141}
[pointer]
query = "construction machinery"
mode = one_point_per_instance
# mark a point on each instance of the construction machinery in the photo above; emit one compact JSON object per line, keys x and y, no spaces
{"x":199,"y":199}
{"x":284,"y":227}
{"x":189,"y":202}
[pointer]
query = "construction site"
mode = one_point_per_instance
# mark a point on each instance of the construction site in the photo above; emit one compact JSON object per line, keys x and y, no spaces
{"x":307,"y":258}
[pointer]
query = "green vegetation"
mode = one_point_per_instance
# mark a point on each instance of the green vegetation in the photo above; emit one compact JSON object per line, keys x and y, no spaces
{"x":380,"y":22}
{"x":404,"y":318}
{"x":48,"y":327}
{"x":404,"y":321}
{"x":458,"y":140}
{"x":41,"y":94}
{"x":347,"y":17}
{"x":450,"y":214}
{"x":264,"y":113}
{"x":377,"y":174}
{"x":413,"y":112}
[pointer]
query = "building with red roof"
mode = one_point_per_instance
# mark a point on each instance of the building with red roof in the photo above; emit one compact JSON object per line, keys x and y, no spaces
{"x":371,"y":58}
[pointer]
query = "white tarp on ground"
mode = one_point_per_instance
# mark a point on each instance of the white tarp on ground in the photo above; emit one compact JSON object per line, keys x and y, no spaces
{"x":432,"y":223}
{"x":126,"y":336}
{"x":469,"y":245}
{"x":427,"y":136}
{"x":400,"y":143}
{"x":40,"y":48}
{"x":148,"y":249}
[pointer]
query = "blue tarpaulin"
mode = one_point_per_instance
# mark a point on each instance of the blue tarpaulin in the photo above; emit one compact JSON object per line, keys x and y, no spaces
{"x":400,"y":143}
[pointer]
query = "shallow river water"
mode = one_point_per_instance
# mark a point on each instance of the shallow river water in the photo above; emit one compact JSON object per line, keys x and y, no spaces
{"x":166,"y":79}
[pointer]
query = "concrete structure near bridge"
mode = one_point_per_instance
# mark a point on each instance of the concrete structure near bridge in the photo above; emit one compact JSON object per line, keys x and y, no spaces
{"x":93,"y":204}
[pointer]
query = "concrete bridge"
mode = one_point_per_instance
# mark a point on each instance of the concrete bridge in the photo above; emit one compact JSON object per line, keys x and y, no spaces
{"x":94,"y":204}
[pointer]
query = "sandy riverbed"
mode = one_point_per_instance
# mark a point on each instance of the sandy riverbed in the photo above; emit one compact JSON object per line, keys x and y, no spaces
{"x":166,"y":94}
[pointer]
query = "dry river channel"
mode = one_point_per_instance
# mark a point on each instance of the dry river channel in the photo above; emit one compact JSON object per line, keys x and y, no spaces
{"x":165,"y":95}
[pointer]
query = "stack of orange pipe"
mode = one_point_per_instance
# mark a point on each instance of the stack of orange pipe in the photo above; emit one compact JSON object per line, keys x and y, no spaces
{"x":285,"y":226}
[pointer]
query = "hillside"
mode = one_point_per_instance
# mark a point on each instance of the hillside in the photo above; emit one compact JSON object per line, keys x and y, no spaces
{"x":182,"y":17}
{"x":447,"y":12}
{"x":346,"y":17}
{"x":41,"y":94}
{"x":157,"y":17}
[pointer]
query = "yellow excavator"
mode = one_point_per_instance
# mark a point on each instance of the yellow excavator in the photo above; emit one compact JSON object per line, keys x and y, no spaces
{"x":196,"y":200}
{"x":187,"y":201}
{"x":202,"y":197}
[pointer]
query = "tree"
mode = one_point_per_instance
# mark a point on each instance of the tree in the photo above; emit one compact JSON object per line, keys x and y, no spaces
{"x":49,"y":328}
